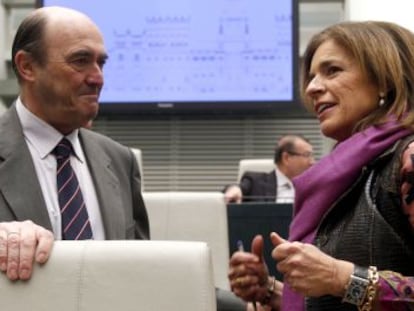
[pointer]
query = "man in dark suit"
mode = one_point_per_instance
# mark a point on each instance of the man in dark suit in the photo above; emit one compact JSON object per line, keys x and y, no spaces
{"x":293,"y":154}
{"x":58,"y":56}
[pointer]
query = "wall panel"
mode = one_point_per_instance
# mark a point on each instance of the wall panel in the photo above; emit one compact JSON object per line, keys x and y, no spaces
{"x":202,"y":154}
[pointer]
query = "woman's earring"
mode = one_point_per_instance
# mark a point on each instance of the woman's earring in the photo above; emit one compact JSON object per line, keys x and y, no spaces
{"x":381,"y":101}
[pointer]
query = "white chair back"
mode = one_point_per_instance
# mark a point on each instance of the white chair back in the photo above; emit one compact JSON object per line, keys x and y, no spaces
{"x":192,"y":216}
{"x":255,"y":165}
{"x":117,"y":275}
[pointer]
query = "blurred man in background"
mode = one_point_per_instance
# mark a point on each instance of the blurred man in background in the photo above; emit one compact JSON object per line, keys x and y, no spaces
{"x":293,"y":155}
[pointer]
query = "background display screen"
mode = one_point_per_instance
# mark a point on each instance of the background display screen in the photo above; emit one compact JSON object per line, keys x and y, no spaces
{"x":196,"y":56}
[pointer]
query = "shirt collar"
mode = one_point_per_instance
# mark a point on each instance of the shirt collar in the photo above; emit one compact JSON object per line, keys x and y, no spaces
{"x":282,"y":179}
{"x":42,"y":136}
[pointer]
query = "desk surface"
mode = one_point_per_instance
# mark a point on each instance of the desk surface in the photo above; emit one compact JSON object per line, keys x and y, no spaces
{"x":246,"y":220}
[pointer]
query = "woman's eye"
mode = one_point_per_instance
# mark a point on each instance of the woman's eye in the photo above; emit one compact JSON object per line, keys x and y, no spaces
{"x":332,"y":70}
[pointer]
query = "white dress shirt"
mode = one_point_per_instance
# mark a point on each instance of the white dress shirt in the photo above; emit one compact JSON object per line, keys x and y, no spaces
{"x":285,"y":189}
{"x":41,"y":138}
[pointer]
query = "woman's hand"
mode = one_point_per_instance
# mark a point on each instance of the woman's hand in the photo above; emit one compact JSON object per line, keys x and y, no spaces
{"x":309,"y":271}
{"x":248,"y":272}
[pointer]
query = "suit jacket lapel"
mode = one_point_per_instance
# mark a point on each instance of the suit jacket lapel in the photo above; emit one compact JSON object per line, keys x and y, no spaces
{"x":106,"y":185}
{"x":18,"y":180}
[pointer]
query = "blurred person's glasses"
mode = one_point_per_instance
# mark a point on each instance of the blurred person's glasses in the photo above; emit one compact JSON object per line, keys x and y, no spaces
{"x":307,"y":154}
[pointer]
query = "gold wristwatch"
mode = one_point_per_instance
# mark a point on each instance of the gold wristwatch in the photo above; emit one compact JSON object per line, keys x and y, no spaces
{"x":356,"y":289}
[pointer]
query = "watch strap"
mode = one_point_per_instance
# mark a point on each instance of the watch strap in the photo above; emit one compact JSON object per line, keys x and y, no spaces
{"x":356,"y":289}
{"x":360,"y":272}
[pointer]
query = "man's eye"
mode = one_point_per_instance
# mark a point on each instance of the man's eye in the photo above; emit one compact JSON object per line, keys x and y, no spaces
{"x":80,"y":61}
{"x":102,"y":63}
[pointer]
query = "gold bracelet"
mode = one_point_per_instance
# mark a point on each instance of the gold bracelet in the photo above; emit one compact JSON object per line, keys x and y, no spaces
{"x":373,"y":278}
{"x":270,"y":286}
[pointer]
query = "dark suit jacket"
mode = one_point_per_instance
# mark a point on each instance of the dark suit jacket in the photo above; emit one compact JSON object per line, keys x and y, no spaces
{"x":257,"y":186}
{"x":114,"y":172}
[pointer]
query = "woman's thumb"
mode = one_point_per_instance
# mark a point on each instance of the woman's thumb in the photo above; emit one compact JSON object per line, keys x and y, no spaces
{"x":258,"y":246}
{"x":276,"y":239}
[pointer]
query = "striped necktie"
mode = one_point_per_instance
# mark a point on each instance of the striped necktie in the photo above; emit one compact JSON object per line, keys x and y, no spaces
{"x":75,"y":219}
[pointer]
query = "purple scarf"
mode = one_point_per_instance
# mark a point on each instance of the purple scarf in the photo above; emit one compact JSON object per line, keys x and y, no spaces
{"x":319,"y":186}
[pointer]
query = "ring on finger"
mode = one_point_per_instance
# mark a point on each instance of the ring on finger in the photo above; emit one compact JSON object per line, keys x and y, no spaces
{"x":13,"y":232}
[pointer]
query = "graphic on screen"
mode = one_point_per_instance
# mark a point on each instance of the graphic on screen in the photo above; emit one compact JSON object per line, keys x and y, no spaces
{"x":194,"y":51}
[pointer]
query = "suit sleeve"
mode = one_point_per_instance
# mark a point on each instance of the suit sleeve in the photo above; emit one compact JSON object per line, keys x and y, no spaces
{"x":142,"y":230}
{"x":246,"y":184}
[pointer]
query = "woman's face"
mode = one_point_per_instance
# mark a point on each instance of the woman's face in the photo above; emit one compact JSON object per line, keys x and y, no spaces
{"x":341,"y":94}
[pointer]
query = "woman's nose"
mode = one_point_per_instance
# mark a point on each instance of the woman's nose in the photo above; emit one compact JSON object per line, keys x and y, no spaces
{"x":315,"y":86}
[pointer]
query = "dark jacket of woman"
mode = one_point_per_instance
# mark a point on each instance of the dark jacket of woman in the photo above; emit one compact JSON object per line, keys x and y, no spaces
{"x":367,"y":225}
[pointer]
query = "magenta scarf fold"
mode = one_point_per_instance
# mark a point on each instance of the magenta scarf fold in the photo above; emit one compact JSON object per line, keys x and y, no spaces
{"x":321,"y":185}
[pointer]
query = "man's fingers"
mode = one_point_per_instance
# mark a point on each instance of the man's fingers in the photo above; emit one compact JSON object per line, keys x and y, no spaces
{"x":27,"y":251}
{"x":44,"y":245}
{"x":3,"y":250}
{"x":13,"y":255}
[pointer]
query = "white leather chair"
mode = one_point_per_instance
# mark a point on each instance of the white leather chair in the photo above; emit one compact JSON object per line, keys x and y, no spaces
{"x":138,"y":155}
{"x":255,"y":165}
{"x":117,"y":275}
{"x":192,"y":216}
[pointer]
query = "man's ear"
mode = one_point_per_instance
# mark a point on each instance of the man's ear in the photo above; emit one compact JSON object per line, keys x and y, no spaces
{"x":25,"y":65}
{"x":285,"y":156}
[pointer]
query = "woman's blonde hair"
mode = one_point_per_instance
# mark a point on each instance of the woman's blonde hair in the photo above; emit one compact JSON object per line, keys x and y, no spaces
{"x":385,"y":54}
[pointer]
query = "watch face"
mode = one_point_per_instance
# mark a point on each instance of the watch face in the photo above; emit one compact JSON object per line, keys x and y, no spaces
{"x":356,"y":290}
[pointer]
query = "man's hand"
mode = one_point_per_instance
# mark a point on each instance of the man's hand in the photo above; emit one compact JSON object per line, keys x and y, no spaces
{"x":22,"y":244}
{"x":233,"y":194}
